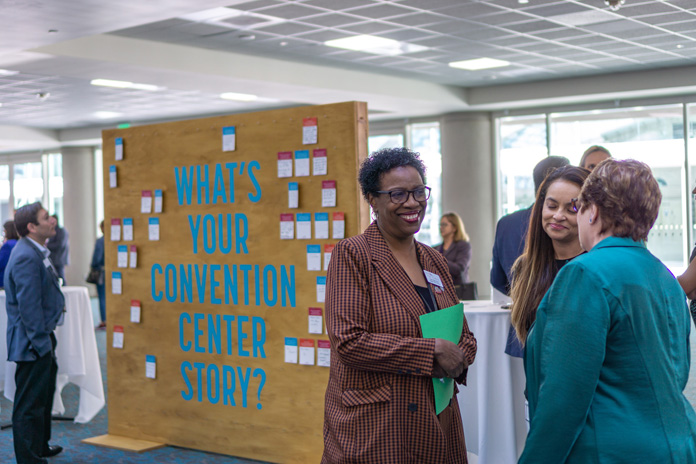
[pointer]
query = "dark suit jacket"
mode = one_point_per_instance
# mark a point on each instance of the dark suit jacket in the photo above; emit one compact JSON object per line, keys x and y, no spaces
{"x":60,"y":247}
{"x":510,"y":235}
{"x":34,"y":303}
{"x":458,"y":257}
{"x":379,"y":404}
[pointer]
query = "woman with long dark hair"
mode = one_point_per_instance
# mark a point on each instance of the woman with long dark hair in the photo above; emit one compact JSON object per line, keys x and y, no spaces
{"x":552,"y":241}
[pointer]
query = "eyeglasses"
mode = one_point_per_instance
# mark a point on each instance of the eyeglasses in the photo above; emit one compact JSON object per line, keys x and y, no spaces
{"x":400,"y":196}
{"x":575,"y":204}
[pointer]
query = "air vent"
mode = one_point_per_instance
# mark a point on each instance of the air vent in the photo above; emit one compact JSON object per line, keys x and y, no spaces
{"x":234,"y":19}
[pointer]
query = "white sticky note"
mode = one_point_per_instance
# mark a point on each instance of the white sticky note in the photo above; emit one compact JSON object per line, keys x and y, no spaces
{"x":112,"y":177}
{"x":301,"y":163}
{"x":339,"y":226}
{"x":307,"y":351}
{"x":315,"y":321}
{"x":328,"y":249}
{"x":321,"y":289}
{"x":328,"y":194}
{"x":118,"y":149}
{"x":128,"y":229}
{"x":150,"y":366}
{"x":319,"y":165}
{"x":304,"y":226}
{"x":115,"y":230}
{"x":309,"y":131}
{"x":287,"y":226}
{"x":118,"y":336}
{"x":323,"y":353}
{"x":146,"y":201}
{"x":153,"y":229}
{"x":228,"y":138}
{"x":133,"y":256}
{"x":135,"y":311}
{"x":291,"y":350}
{"x":158,"y":201}
{"x":284,"y":164}
{"x":314,"y":257}
{"x":116,"y":283}
{"x":293,"y":195}
{"x":321,"y":225}
{"x":122,"y":260}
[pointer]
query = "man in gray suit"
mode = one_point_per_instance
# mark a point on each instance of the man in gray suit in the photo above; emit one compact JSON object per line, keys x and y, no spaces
{"x":35,"y":306}
{"x":59,"y":246}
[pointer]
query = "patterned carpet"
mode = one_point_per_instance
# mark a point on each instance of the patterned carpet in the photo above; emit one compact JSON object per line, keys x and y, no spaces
{"x":70,"y":434}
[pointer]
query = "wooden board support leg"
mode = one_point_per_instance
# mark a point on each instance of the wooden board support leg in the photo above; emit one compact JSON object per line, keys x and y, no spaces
{"x":124,"y":443}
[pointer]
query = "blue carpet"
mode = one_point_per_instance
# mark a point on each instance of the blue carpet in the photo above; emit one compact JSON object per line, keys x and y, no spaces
{"x":69,"y":434}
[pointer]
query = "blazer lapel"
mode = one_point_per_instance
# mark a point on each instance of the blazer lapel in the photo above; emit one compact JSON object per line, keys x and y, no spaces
{"x":443,"y":301}
{"x":392,"y":274}
{"x":51,"y":271}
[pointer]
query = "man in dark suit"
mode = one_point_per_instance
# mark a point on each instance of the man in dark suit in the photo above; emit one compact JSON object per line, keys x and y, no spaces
{"x":35,"y":306}
{"x":59,"y":246}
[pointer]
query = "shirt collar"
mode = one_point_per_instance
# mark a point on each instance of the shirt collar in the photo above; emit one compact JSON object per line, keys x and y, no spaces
{"x":45,"y":251}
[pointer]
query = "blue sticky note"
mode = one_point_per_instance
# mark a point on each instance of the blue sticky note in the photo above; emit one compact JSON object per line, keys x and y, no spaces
{"x":304,"y":217}
{"x":289,"y":341}
{"x":321,"y":217}
{"x":229,"y":130}
{"x":313,"y":248}
{"x":123,"y":248}
{"x":293,"y":186}
{"x":153,"y":221}
{"x":321,"y":280}
{"x":116,"y":275}
{"x":127,"y":221}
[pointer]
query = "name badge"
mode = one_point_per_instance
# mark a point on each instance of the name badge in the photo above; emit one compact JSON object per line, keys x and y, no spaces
{"x":433,"y":279}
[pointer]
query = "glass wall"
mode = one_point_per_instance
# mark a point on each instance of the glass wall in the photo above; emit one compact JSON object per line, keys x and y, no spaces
{"x":5,"y":205}
{"x":654,"y":135}
{"x":522,"y":146}
{"x":423,"y":138}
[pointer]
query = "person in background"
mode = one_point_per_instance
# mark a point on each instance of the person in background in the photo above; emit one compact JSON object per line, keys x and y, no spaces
{"x":379,"y":405}
{"x":455,"y":247}
{"x":98,"y":263}
{"x":593,"y":156}
{"x":10,"y":238}
{"x":59,"y":246}
{"x":35,"y":306}
{"x":552,"y":241}
{"x":607,"y":360}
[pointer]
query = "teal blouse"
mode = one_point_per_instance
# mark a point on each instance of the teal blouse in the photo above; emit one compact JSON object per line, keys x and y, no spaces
{"x":607,"y":361}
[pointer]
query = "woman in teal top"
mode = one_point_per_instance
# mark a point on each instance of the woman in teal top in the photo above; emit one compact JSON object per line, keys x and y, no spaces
{"x":607,"y":359}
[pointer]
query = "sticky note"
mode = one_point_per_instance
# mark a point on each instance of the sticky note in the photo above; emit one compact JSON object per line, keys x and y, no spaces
{"x":319,"y":162}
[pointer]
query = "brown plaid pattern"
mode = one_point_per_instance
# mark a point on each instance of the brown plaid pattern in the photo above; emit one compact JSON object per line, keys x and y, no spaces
{"x":379,"y":401}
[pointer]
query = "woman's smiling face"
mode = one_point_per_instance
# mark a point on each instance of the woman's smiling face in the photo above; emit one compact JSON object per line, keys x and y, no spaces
{"x":558,"y":219}
{"x":399,"y":220}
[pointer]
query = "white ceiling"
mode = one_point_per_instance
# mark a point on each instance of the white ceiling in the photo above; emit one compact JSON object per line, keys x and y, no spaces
{"x":560,"y":52}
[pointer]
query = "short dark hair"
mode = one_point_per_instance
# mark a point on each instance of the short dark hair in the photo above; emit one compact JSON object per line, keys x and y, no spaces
{"x":544,"y":167}
{"x":10,"y":230}
{"x":383,"y":161}
{"x":27,"y":214}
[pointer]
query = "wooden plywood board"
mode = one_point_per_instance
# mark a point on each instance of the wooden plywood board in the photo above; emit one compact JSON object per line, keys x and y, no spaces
{"x":123,"y":443}
{"x":220,"y":291}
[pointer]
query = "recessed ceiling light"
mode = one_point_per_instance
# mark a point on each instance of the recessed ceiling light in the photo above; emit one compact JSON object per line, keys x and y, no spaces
{"x":7,"y":72}
{"x":124,"y":85}
{"x":374,"y":44}
{"x":680,"y":46}
{"x":523,"y":2}
{"x":238,"y":96}
{"x":107,"y":114}
{"x":479,"y":63}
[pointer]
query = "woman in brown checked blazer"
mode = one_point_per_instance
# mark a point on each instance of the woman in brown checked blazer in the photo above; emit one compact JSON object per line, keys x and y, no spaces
{"x":379,"y":401}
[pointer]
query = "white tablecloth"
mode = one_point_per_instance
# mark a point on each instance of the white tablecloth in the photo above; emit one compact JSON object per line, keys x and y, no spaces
{"x":492,"y":403}
{"x":78,"y":358}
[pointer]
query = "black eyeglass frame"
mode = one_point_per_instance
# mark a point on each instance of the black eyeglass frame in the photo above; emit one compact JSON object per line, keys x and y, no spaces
{"x":425,"y":188}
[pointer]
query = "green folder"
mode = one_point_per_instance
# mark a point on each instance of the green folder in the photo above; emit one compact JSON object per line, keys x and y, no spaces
{"x":447,"y":324}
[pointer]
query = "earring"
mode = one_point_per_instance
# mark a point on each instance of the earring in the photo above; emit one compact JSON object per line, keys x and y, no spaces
{"x":374,"y":215}
{"x":590,"y":220}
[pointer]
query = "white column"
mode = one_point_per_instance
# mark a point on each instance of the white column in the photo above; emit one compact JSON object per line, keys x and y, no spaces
{"x":468,"y":185}
{"x":78,"y":210}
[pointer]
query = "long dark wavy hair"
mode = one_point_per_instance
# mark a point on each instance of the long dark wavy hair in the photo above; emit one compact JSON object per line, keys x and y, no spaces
{"x":535,"y":269}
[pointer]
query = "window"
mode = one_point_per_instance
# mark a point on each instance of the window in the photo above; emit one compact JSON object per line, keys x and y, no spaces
{"x":28,"y":178}
{"x":654,"y":135}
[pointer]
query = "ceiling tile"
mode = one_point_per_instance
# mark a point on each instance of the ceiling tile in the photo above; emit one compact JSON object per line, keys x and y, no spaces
{"x":288,"y":28}
{"x":370,"y":27}
{"x":338,"y":5}
{"x":406,"y":35}
{"x":471,"y":10}
{"x":561,"y":34}
{"x":381,"y":11}
{"x":649,"y":8}
{"x":502,"y":18}
{"x":291,"y":11}
{"x":256,"y":5}
{"x":324,"y":35}
{"x":667,"y":18}
{"x":427,"y":5}
{"x":533,"y":26}
{"x":555,"y":9}
{"x":332,"y":20}
{"x":418,"y":19}
{"x":680,"y":27}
